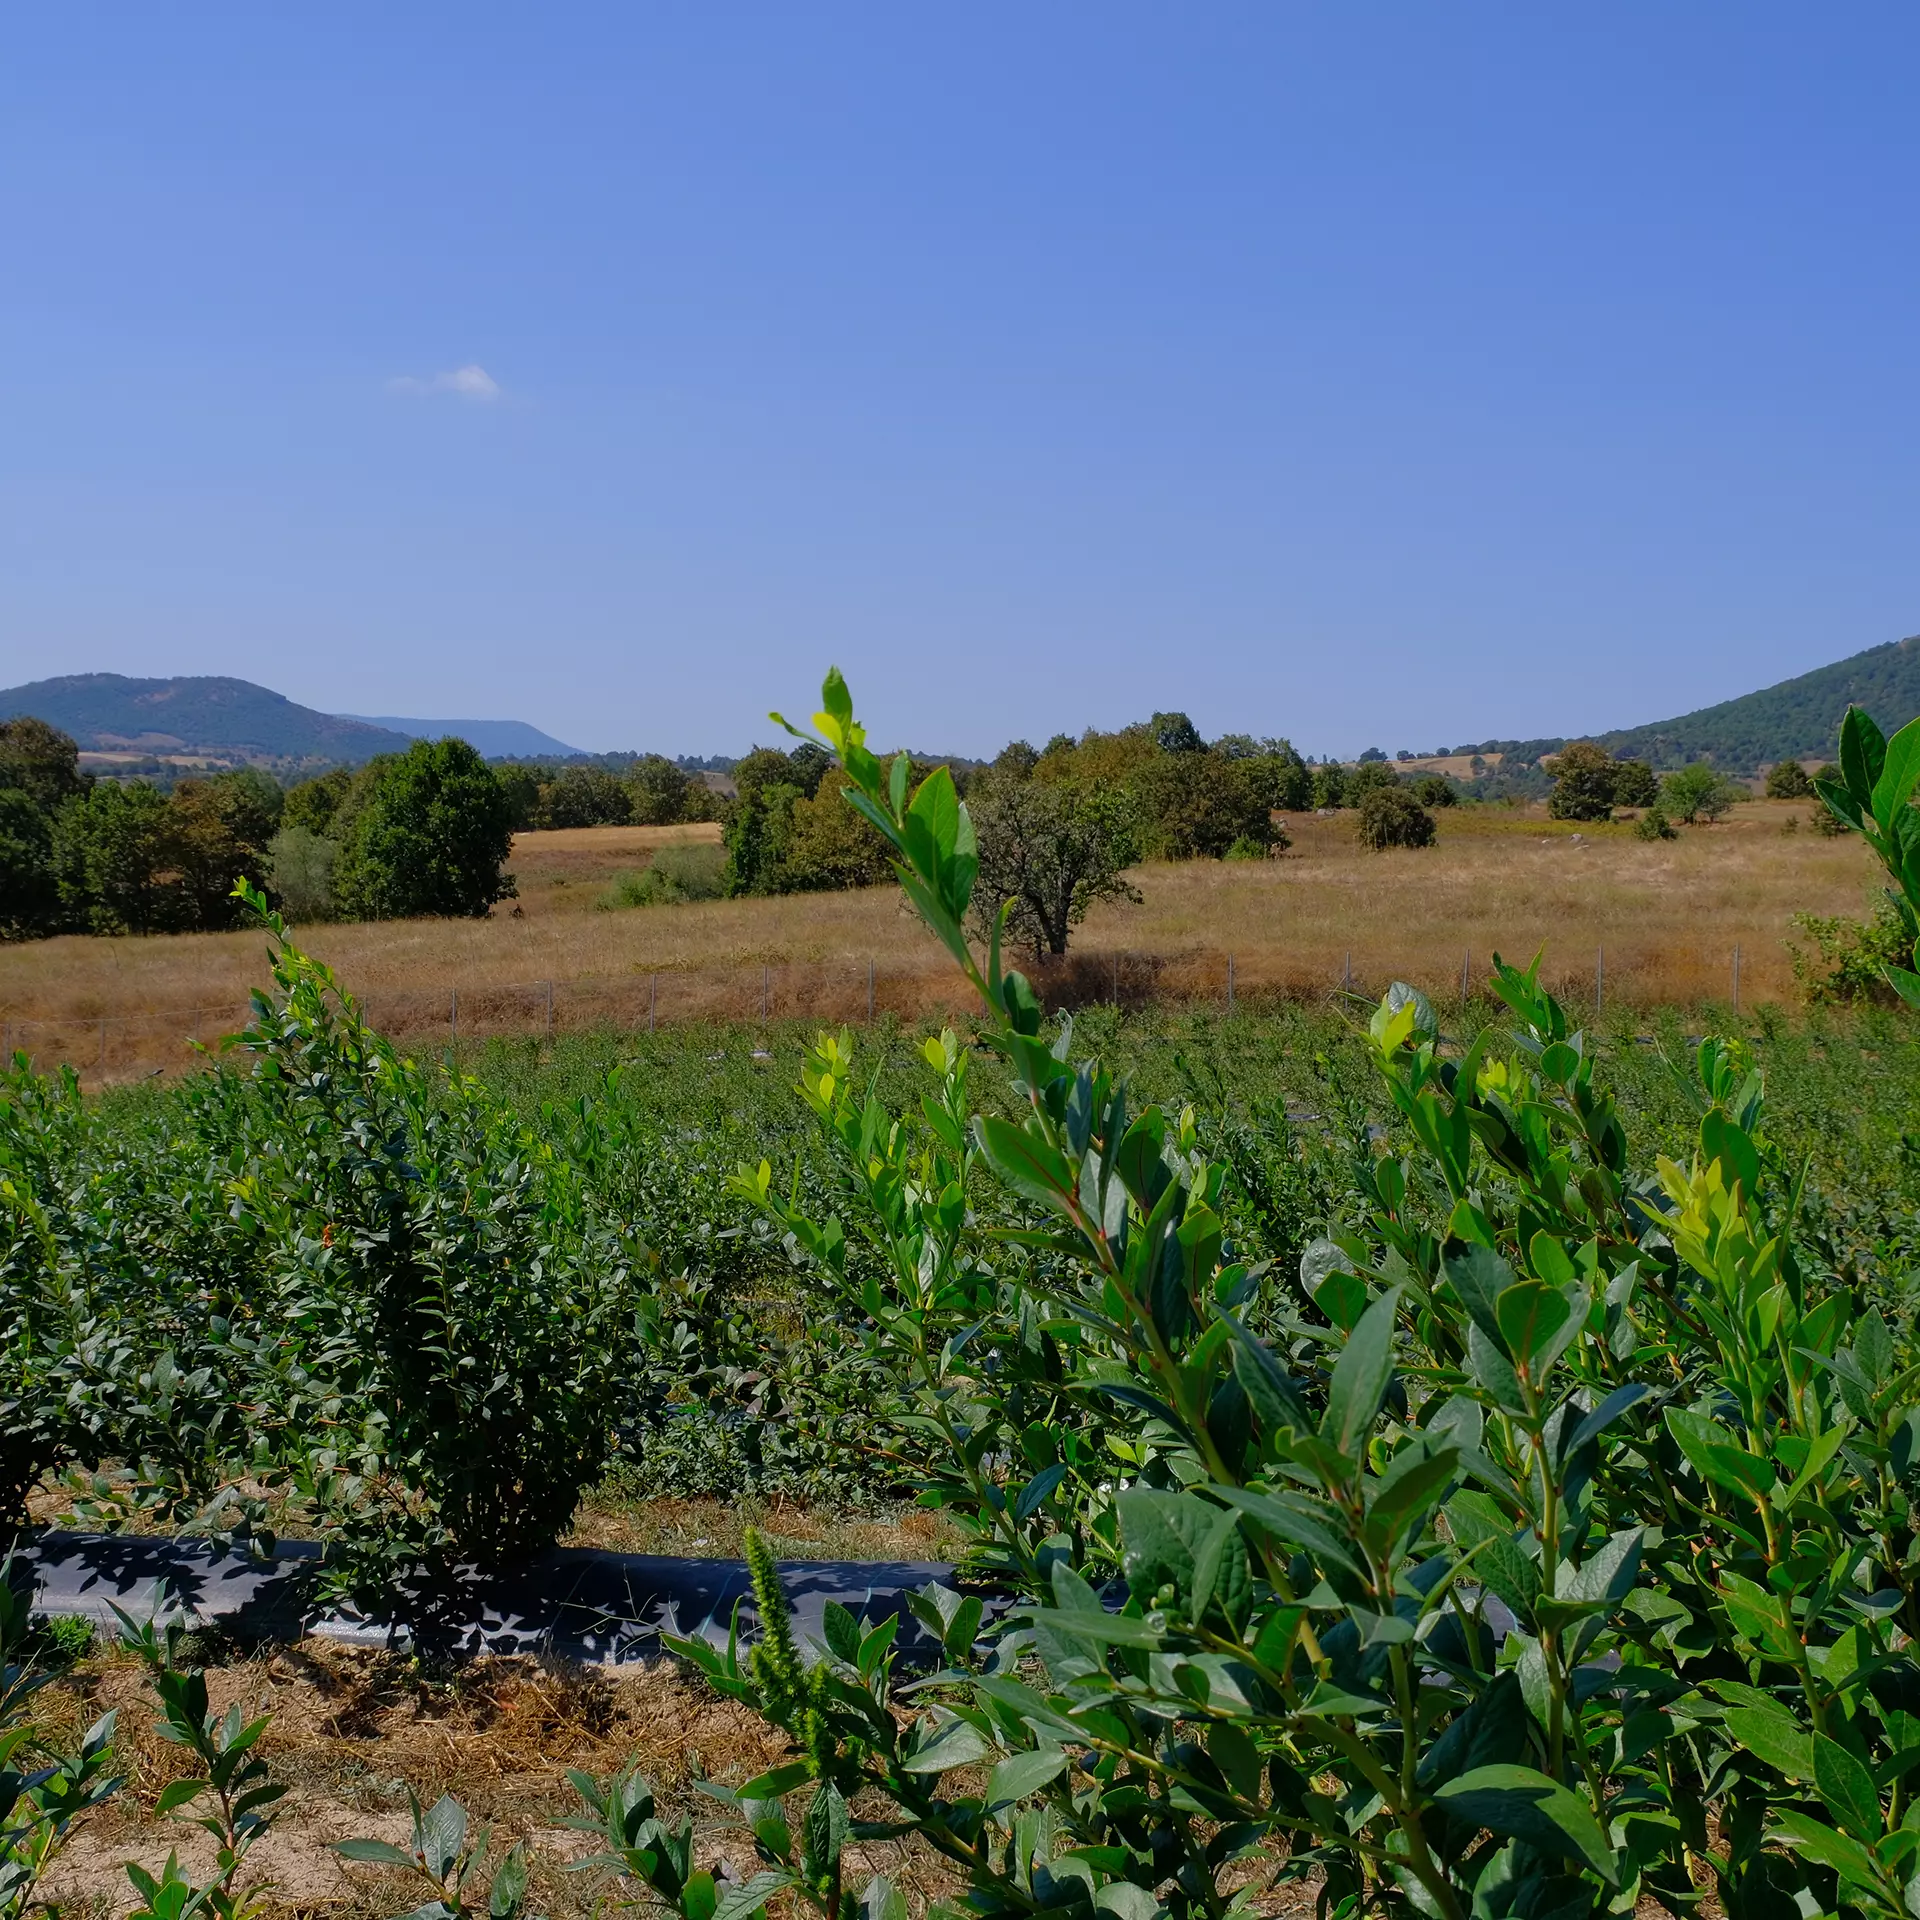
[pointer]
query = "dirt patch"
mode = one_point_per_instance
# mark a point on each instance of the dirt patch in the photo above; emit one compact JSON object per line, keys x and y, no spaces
{"x":352,"y":1731}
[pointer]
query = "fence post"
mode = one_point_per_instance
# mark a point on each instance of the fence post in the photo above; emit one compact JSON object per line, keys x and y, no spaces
{"x":549,"y":1009}
{"x":1599,"y":980}
{"x":1229,"y":983}
{"x":1466,"y":975}
{"x":1116,"y":974}
{"x":766,"y":990}
{"x":103,"y":1043}
{"x":453,"y":1016}
{"x":653,"y":996}
{"x":1346,"y":979}
{"x":1736,"y":977}
{"x":869,"y":993}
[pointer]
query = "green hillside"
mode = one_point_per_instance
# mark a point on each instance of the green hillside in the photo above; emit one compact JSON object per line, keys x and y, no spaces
{"x":194,"y":713}
{"x":1797,"y":720}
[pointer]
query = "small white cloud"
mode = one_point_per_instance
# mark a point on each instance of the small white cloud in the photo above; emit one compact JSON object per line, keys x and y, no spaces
{"x":471,"y":382}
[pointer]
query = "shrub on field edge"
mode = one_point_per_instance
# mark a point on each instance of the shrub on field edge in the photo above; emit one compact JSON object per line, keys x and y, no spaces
{"x":1392,"y":817}
{"x":1654,"y":825}
{"x":694,"y":871}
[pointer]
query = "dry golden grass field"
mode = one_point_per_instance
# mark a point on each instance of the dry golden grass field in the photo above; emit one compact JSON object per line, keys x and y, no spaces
{"x":1667,"y":914}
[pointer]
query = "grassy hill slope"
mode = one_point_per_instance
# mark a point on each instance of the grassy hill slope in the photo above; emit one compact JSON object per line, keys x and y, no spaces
{"x":194,"y":713}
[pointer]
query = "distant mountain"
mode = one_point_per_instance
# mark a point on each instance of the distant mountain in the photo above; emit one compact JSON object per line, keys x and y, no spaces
{"x":197,"y":714}
{"x":492,"y":739}
{"x":1797,"y":720}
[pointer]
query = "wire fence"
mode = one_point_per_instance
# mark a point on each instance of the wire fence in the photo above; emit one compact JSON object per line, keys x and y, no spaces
{"x":106,"y":1047}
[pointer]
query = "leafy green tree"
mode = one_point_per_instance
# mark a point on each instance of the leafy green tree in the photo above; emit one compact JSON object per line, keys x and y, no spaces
{"x":300,"y":867}
{"x":221,"y":830}
{"x":1653,"y":824}
{"x":1634,"y":784}
{"x":29,"y":890}
{"x":1696,"y":794}
{"x":1369,"y":776}
{"x":828,"y":845}
{"x":1329,"y":790}
{"x":1788,"y":780}
{"x":1196,"y":805}
{"x":1583,"y":783}
{"x":41,"y":762}
{"x":1175,"y":733}
{"x":1436,"y":790}
{"x":39,"y":774}
{"x":584,"y":797}
{"x":1392,"y":817}
{"x":315,"y":803}
{"x":659,"y":790}
{"x":758,"y":825}
{"x":431,"y":836}
{"x":1047,"y":852}
{"x":117,"y":862}
{"x":522,"y":786}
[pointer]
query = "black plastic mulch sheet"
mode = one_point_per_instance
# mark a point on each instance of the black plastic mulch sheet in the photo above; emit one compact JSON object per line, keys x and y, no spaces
{"x":572,"y":1603}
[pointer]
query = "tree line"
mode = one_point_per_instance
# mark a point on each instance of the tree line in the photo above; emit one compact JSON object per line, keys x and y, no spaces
{"x":429,"y":831}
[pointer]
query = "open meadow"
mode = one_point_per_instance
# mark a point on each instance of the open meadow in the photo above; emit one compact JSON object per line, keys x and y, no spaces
{"x":1668,"y":916}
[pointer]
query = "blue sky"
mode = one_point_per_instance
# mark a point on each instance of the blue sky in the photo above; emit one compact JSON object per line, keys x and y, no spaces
{"x":1371,"y":374}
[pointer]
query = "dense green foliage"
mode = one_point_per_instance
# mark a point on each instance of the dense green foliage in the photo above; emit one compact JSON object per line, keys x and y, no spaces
{"x":430,"y":834}
{"x":1539,"y":1543}
{"x":76,"y":856}
{"x":1628,"y":1405}
{"x":1491,"y":1497}
{"x":1392,"y":817}
{"x":1588,"y":783}
{"x":1797,"y":720}
{"x":1873,"y":792}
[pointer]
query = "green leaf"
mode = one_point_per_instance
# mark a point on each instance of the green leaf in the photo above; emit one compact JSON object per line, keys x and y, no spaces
{"x":750,"y":1896}
{"x":1301,"y":1522}
{"x":1155,"y":1531}
{"x":373,"y":1853}
{"x":1520,"y":1804}
{"x":958,"y":1743}
{"x":1126,"y":1901}
{"x":1846,"y":1857}
{"x":777,"y":1782}
{"x":1361,"y":1377}
{"x":1773,"y":1735}
{"x":1478,"y":1278}
{"x":842,"y":1631}
{"x":1410,"y":1486}
{"x":1847,"y":1788}
{"x":1021,"y":1774}
{"x":1619,"y":1401}
{"x":825,"y":1830}
{"x":1024,"y":1161}
{"x":1899,"y":773}
{"x":1531,"y":1314}
{"x":509,"y":1887}
{"x":1275,"y":1401}
{"x":883,"y":1900}
{"x":1863,"y":755}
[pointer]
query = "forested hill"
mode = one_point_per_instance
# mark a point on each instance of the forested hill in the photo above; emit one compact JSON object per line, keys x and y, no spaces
{"x":194,"y":712}
{"x":1797,"y":720}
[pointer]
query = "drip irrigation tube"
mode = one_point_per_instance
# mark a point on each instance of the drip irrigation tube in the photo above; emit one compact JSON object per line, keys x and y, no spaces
{"x":571,"y":1603}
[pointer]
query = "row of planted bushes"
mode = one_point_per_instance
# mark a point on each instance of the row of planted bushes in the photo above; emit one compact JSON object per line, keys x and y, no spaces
{"x":333,"y":1288}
